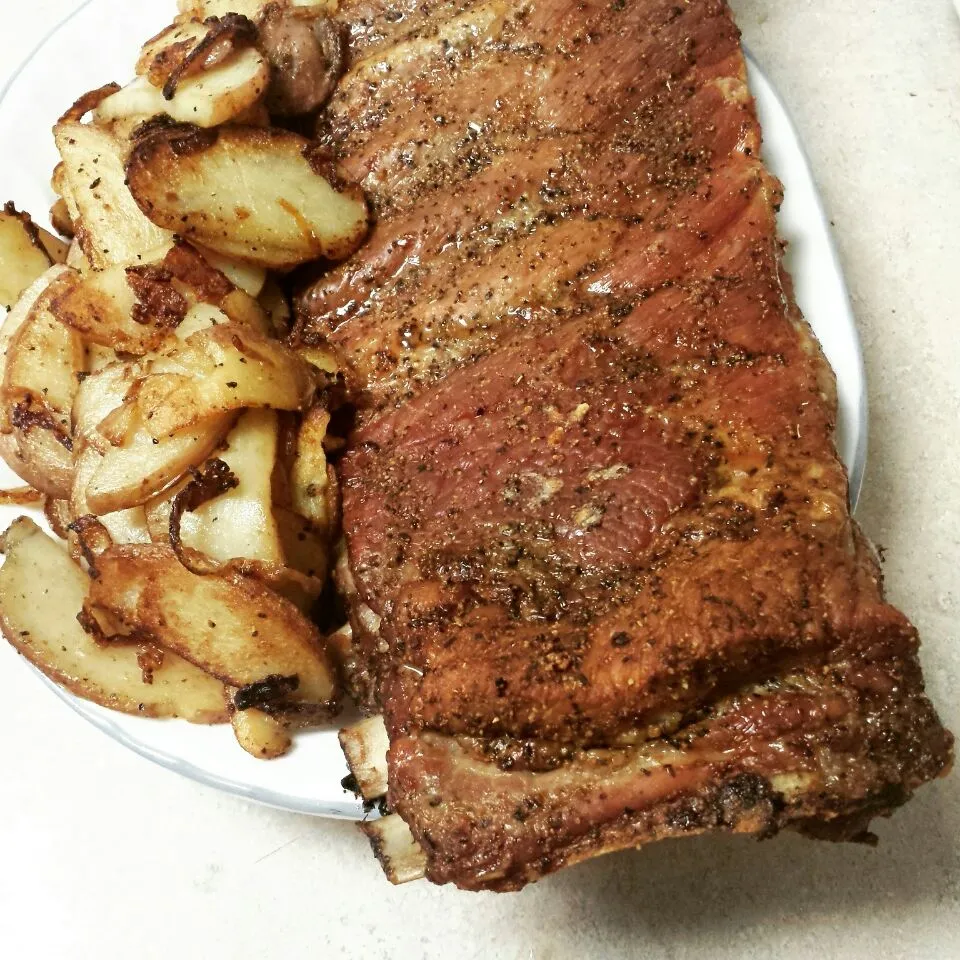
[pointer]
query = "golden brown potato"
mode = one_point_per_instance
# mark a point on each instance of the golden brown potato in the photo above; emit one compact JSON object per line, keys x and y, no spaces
{"x":161,"y":53}
{"x":305,"y":548}
{"x":41,"y":592}
{"x":133,"y":310}
{"x":40,"y":363}
{"x":207,"y":99}
{"x":124,"y":526}
{"x":247,"y":277}
{"x":26,"y":252}
{"x":110,"y":227}
{"x":133,"y":466}
{"x":240,"y":523}
{"x":313,"y":485}
{"x":232,"y":626}
{"x":260,"y":734}
{"x":100,"y":394}
{"x":222,"y":369}
{"x":61,"y":221}
{"x":130,"y":474}
{"x":291,"y":211}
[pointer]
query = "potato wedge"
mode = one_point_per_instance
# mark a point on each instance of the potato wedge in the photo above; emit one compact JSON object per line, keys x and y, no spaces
{"x":161,"y":52}
{"x":136,"y":469}
{"x":247,"y":277}
{"x":184,"y":179}
{"x":260,"y":734}
{"x":313,"y":487}
{"x":110,"y":227}
{"x":207,"y":99}
{"x":125,"y":308}
{"x":222,"y":369}
{"x":43,"y":357}
{"x":26,"y":252}
{"x":132,"y":473}
{"x":124,"y":526}
{"x":40,"y":366}
{"x":240,"y":522}
{"x":100,"y":394}
{"x":234,"y":627}
{"x":62,"y":222}
{"x":305,"y":548}
{"x":41,"y":592}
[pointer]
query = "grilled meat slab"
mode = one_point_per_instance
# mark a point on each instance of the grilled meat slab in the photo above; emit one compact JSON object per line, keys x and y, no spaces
{"x":603,"y":577}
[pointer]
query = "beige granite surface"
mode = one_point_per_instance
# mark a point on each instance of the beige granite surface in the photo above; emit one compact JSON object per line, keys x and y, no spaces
{"x":104,"y":855}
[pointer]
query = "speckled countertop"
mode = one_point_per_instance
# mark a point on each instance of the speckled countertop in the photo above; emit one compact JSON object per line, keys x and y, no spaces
{"x":104,"y":855}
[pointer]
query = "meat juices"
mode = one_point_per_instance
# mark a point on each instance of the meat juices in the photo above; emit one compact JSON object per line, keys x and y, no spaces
{"x":592,"y":504}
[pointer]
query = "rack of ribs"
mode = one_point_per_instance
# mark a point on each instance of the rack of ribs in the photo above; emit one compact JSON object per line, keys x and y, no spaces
{"x":602,"y":576}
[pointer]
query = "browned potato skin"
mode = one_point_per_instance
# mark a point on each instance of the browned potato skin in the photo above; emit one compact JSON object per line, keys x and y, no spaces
{"x":39,"y":363}
{"x":260,"y":734}
{"x":26,"y":252}
{"x":147,"y":589}
{"x":42,"y":589}
{"x":167,"y":157}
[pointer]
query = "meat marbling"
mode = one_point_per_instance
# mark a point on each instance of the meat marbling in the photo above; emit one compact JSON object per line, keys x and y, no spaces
{"x":604,"y":579}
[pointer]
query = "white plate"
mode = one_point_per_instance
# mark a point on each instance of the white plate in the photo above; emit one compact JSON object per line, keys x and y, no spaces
{"x":99,"y":43}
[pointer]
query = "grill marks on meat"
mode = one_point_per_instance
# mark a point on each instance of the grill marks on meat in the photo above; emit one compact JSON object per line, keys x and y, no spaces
{"x":592,"y":497}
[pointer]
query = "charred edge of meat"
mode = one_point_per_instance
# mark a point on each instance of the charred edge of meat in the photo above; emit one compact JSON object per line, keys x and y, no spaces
{"x":26,"y":417}
{"x":263,"y":693}
{"x":213,"y":479}
{"x":93,"y":539}
{"x":189,"y":267}
{"x":158,"y":303}
{"x":87,"y":102}
{"x":32,"y":230}
{"x":307,"y":54}
{"x":228,"y":34}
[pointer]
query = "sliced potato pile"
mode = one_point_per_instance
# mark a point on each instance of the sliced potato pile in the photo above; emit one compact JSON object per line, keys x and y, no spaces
{"x":148,"y":396}
{"x":192,"y":587}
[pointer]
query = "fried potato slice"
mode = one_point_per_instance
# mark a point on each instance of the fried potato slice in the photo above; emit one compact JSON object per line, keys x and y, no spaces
{"x":232,"y":626}
{"x":133,"y":310}
{"x":124,"y":526}
{"x":240,"y":523}
{"x":40,"y":363}
{"x":110,"y":226}
{"x":263,"y":736}
{"x":222,"y":369}
{"x":26,"y":252}
{"x":41,"y":592}
{"x":131,"y":473}
{"x":207,"y":99}
{"x":305,"y":548}
{"x":161,"y":53}
{"x":141,"y":308}
{"x":313,"y":487}
{"x":245,"y":276}
{"x":184,"y":178}
{"x":133,"y":466}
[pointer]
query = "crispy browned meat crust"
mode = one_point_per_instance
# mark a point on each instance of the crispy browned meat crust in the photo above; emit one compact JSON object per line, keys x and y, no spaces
{"x":593,"y":497}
